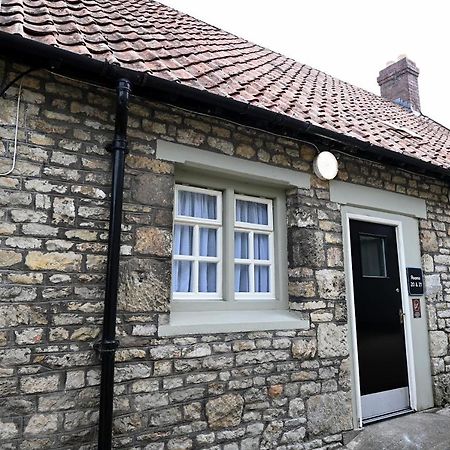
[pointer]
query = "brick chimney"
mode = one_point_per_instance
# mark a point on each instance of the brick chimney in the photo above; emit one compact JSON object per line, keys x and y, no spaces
{"x":398,"y":83}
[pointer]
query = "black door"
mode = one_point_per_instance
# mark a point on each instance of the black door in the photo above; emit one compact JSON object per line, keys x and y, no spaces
{"x":378,"y":307}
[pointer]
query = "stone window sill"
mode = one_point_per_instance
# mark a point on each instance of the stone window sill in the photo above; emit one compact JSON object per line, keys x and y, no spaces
{"x":210,"y":322}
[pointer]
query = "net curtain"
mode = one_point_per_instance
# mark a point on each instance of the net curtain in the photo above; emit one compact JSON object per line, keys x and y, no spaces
{"x":193,"y":204}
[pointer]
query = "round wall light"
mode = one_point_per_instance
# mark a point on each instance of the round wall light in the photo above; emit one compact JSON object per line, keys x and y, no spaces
{"x":325,"y":166}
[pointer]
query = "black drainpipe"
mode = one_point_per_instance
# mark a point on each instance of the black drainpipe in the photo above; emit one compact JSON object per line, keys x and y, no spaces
{"x":108,"y":344}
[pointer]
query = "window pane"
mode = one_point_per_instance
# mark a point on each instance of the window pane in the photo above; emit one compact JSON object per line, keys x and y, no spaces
{"x":208,"y":246}
{"x":261,"y":246}
{"x":182,"y":240}
{"x":207,"y":275}
{"x":241,"y":278}
{"x":182,"y":276}
{"x":372,"y":256}
{"x":251,"y":212}
{"x":195,"y":204}
{"x":241,"y":245}
{"x":262,"y":279}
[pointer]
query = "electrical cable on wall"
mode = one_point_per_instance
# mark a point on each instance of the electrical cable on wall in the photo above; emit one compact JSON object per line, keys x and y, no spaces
{"x":17,"y":78}
{"x":3,"y":91}
{"x":14,"y":158}
{"x":211,"y":116}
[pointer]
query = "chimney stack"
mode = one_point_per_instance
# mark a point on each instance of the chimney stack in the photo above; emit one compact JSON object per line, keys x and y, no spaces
{"x":399,"y":83}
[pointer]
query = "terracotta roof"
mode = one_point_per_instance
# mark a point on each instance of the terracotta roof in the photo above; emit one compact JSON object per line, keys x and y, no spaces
{"x":146,"y":36}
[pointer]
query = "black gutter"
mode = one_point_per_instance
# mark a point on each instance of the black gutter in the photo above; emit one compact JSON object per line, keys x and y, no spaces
{"x":197,"y":100}
{"x":108,"y":344}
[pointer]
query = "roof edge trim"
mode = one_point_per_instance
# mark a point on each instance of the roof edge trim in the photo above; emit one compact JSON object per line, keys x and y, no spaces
{"x":85,"y":68}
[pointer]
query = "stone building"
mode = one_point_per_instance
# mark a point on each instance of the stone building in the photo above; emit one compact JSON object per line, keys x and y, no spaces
{"x":260,"y":304}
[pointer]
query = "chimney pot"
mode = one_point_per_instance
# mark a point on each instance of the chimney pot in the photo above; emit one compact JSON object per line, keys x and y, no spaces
{"x":399,"y":83}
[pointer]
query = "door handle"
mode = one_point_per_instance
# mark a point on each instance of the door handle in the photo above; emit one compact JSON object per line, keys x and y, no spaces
{"x":401,"y":316}
{"x":397,"y":289}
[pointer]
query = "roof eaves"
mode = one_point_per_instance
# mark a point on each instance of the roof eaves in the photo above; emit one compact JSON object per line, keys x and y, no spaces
{"x":86,"y":68}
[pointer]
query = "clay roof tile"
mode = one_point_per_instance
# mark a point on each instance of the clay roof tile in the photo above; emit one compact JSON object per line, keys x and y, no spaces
{"x":148,"y":37}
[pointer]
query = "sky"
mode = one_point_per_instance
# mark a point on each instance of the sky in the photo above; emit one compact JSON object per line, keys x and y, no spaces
{"x":348,"y":39}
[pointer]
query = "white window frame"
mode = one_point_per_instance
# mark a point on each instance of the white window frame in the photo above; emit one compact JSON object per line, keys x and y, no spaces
{"x":197,"y":223}
{"x":252,"y":229}
{"x":233,"y":189}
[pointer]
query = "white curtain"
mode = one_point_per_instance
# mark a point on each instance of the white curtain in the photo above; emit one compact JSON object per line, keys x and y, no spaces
{"x":194,"y":204}
{"x":261,"y":246}
{"x":207,"y":277}
{"x":241,"y":278}
{"x":207,"y":242}
{"x":182,"y":245}
{"x":241,"y":245}
{"x":181,"y":276}
{"x":251,"y":212}
{"x":182,"y":240}
{"x":207,"y":271}
{"x":241,"y":271}
{"x":262,"y":279}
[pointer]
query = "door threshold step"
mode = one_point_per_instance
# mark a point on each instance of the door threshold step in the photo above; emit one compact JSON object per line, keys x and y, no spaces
{"x":387,"y":416}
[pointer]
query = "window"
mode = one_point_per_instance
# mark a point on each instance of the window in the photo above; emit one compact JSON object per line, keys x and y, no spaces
{"x":197,"y":267}
{"x":229,"y":244}
{"x":373,"y":259}
{"x":253,"y":248}
{"x":197,"y":243}
{"x":229,"y":267}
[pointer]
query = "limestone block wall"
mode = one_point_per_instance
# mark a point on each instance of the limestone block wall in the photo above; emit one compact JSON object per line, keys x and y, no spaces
{"x":277,"y":389}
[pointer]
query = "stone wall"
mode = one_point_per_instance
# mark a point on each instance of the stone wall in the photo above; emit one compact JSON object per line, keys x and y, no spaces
{"x":278,"y":389}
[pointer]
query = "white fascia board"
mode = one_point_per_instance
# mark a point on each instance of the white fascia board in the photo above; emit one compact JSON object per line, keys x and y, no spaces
{"x":357,"y":195}
{"x":230,"y":165}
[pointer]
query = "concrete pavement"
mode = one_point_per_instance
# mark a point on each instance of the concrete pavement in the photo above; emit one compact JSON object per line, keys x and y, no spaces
{"x":427,"y":430}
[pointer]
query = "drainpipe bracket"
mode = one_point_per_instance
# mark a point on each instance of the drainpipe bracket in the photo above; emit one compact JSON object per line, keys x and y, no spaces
{"x":118,"y":144}
{"x":102,"y":347}
{"x":124,"y":85}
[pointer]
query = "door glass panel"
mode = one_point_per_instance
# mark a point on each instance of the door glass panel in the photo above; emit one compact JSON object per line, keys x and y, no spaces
{"x":373,"y":259}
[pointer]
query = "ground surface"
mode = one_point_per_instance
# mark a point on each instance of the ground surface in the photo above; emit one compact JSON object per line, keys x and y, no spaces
{"x":428,"y":430}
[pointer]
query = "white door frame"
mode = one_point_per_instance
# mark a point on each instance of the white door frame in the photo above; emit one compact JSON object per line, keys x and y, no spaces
{"x":356,"y":394}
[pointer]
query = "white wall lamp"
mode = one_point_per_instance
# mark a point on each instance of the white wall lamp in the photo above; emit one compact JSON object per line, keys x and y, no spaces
{"x":325,"y":166}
